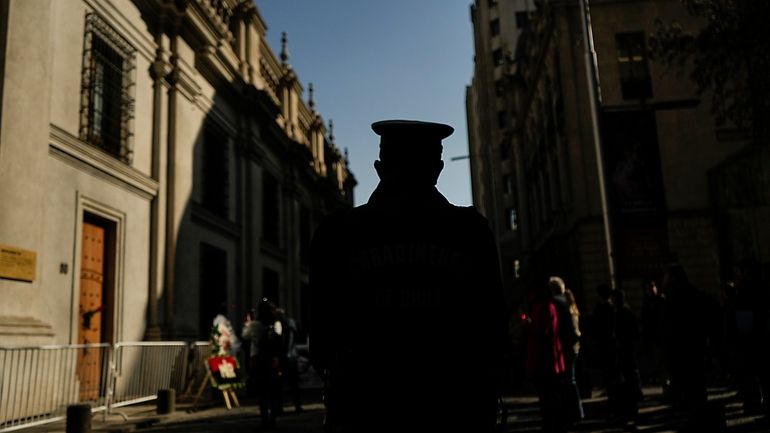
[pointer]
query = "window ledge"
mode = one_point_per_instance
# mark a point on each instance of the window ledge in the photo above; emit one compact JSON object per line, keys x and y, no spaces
{"x":209,"y":219}
{"x":272,"y":250}
{"x":88,"y":158}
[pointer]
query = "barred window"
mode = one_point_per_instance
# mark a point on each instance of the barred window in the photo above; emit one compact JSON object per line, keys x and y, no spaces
{"x":107,"y":103}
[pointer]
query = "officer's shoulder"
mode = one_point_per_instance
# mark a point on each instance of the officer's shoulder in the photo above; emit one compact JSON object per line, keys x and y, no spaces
{"x":470,"y":213}
{"x":342,"y":217}
{"x":335,"y":215}
{"x":331,"y":223}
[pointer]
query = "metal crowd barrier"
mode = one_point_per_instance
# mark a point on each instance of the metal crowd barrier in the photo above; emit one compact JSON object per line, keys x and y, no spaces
{"x":38,"y":383}
{"x":196,"y":370}
{"x":141,"y":369}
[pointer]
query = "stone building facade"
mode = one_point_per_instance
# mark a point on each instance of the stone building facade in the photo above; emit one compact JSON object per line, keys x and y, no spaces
{"x":497,"y":25}
{"x":659,"y":144}
{"x":157,"y":162}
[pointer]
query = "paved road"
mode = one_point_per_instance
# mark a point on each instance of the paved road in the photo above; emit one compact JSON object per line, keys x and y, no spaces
{"x":245,"y":419}
{"x":654,"y":416}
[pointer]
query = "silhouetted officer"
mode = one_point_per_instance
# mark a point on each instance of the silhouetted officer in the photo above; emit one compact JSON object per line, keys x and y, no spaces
{"x":407,"y":310}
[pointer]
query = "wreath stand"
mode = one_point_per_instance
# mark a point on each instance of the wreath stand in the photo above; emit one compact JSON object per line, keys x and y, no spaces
{"x":228,"y":391}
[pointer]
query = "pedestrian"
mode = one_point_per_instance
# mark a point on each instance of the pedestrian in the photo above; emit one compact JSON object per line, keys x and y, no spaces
{"x":651,"y":322}
{"x":569,"y":336}
{"x":728,"y":338}
{"x":407,"y":318}
{"x":267,"y":369}
{"x":546,"y":366}
{"x":627,"y":334}
{"x":290,"y":357}
{"x":689,"y":321}
{"x":605,"y":342}
{"x":751,"y":331}
{"x":578,"y":364}
{"x":250,"y":333}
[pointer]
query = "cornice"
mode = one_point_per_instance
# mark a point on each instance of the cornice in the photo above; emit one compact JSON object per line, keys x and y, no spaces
{"x":212,"y":17}
{"x":252,"y":15}
{"x":220,"y":67}
{"x":186,"y":84}
{"x":273,"y":251}
{"x":91,"y":159}
{"x":206,"y":218}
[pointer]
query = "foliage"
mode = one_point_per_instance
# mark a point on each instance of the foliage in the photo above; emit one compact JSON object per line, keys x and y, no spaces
{"x":730,"y":55}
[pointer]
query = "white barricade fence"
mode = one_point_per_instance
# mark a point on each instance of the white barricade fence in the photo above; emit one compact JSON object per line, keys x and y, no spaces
{"x":141,"y":369}
{"x":38,"y":383}
{"x":196,"y":371}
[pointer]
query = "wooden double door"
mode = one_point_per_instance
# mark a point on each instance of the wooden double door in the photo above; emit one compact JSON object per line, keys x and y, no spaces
{"x":96,"y":302}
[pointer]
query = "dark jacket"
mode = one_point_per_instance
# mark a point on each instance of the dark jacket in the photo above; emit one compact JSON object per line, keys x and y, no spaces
{"x":407,"y":312}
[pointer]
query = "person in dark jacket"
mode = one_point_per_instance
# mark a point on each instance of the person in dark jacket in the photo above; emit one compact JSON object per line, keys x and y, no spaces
{"x":752,"y":334}
{"x":627,"y":333}
{"x":386,"y":278}
{"x":651,"y":337}
{"x":602,"y":332}
{"x":688,"y":317}
{"x":267,"y":368}
{"x":290,"y":357}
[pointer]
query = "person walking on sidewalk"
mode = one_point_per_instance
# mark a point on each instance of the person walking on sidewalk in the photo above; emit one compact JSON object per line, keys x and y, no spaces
{"x":387,"y":279}
{"x":690,"y":317}
{"x":267,"y":368}
{"x":545,"y":358}
{"x":569,"y":336}
{"x":605,"y":343}
{"x":627,"y":332}
{"x":290,"y":357}
{"x":652,"y":332}
{"x":250,"y":334}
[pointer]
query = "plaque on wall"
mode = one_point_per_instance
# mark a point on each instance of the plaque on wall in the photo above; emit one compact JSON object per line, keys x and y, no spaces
{"x":17,"y":263}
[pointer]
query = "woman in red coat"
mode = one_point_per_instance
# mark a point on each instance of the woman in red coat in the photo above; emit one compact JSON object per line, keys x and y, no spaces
{"x":545,"y":358}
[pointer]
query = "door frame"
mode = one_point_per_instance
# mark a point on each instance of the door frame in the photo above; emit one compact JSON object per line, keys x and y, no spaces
{"x":114,"y":221}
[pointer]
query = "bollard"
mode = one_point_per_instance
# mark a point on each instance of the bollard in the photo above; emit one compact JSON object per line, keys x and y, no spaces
{"x":166,"y":401}
{"x":79,"y":418}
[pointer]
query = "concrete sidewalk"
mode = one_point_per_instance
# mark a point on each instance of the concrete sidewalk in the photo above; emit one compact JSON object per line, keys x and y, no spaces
{"x":655,"y":415}
{"x":144,"y":417}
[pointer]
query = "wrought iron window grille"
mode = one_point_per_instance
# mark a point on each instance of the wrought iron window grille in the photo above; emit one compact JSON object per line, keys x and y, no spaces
{"x":107,"y":85}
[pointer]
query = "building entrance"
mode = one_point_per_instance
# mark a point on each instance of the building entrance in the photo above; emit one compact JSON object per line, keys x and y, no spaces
{"x":95,"y":302}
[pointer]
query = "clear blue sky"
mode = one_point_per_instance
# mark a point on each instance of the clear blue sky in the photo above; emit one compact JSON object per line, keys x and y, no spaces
{"x":372,"y":60}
